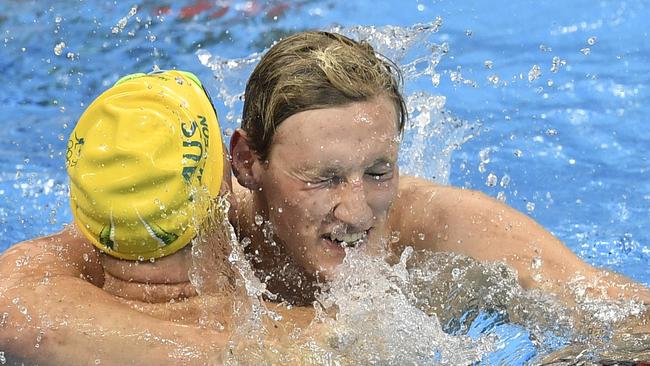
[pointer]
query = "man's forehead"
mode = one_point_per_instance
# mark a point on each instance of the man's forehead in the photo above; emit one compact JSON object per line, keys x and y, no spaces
{"x":371,"y":119}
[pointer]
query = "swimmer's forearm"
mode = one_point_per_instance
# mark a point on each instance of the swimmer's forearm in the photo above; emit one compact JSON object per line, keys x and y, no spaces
{"x":488,"y":230}
{"x":69,"y":322}
{"x":51,"y":315}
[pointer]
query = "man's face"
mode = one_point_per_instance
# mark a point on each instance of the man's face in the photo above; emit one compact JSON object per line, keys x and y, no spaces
{"x":331,"y":177}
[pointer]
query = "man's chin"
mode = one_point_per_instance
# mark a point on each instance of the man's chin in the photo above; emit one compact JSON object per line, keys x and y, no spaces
{"x":325,"y":272}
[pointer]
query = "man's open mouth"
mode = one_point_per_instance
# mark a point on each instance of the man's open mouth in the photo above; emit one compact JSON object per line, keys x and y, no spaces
{"x":347,"y":240}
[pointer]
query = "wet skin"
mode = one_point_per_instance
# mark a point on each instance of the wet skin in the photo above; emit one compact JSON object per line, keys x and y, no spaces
{"x":329,"y":182}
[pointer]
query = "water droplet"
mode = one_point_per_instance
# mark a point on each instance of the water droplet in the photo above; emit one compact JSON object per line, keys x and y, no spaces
{"x":151,"y":38}
{"x":556,"y":63}
{"x":228,"y":132}
{"x":491,"y":180}
{"x":259,"y":220}
{"x":58,"y":19}
{"x":534,"y":73}
{"x":585,"y":51}
{"x":501,"y":196}
{"x":518,"y":153}
{"x":152,"y":260}
{"x":455,"y":274}
{"x":179,"y":80}
{"x":536,"y":263}
{"x":70,"y":55}
{"x":551,"y":132}
{"x":420,"y":7}
{"x":484,"y":155}
{"x":493,"y":79}
{"x":394,"y":236}
{"x":591,"y":40}
{"x":58,"y":48}
{"x":159,"y":203}
{"x":469,"y":33}
{"x":140,"y":258}
{"x":246,"y":241}
{"x":488,"y":64}
{"x":530,"y":206}
{"x":545,"y":48}
{"x":421,"y":236}
{"x":435,"y":79}
{"x":280,"y":210}
{"x":549,"y":82}
{"x":505,"y":180}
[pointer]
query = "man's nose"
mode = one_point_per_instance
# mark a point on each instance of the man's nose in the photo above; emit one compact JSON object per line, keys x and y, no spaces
{"x":352,"y":207}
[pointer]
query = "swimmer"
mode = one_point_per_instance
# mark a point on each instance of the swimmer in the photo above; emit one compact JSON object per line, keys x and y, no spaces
{"x":317,"y":157}
{"x":147,"y":172}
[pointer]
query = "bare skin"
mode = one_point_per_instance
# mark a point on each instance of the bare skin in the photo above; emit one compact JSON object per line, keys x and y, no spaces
{"x":326,"y":181}
{"x":80,"y":305}
{"x":335,"y":168}
{"x":56,"y":300}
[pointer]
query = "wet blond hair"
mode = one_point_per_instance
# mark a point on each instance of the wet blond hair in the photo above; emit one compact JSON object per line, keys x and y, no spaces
{"x":314,"y":70}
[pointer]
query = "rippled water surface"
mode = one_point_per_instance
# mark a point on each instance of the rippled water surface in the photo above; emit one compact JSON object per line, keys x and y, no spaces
{"x":541,"y":105}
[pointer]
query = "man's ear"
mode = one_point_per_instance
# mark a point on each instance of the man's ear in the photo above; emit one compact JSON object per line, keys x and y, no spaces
{"x":246,"y":164}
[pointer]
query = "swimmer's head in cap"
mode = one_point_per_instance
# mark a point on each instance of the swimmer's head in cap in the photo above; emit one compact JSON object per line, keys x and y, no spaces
{"x":144,"y":161}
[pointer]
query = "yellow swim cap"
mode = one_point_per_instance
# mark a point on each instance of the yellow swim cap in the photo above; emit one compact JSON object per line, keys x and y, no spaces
{"x":144,"y":161}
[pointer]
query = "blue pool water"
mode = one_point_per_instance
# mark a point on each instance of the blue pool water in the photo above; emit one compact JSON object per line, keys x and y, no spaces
{"x":557,"y":94}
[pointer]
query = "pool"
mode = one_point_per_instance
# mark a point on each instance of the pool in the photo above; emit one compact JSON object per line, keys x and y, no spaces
{"x":544,"y":104}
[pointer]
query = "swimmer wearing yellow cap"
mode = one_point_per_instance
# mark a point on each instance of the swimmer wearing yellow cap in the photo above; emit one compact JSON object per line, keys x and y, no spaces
{"x":141,"y":160}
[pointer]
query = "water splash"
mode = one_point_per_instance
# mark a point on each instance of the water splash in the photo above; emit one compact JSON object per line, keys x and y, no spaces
{"x":432,"y":132}
{"x":377,"y":321}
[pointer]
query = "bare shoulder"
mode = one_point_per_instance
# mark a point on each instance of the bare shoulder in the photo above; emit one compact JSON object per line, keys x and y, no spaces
{"x":413,"y":189}
{"x":423,"y":208}
{"x":63,"y":253}
{"x":417,"y":197}
{"x":448,"y":218}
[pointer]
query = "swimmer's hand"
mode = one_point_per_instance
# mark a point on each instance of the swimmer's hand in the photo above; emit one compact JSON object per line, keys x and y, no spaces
{"x":158,"y":281}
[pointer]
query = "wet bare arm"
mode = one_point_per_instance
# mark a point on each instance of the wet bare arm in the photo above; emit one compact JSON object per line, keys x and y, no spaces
{"x":449,"y":219}
{"x":53,"y":312}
